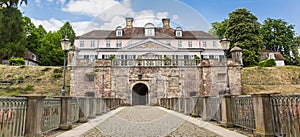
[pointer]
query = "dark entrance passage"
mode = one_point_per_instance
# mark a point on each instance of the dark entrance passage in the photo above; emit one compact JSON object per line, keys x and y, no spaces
{"x":139,"y":94}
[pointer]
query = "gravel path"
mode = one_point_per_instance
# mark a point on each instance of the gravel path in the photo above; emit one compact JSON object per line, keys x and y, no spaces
{"x":140,"y":121}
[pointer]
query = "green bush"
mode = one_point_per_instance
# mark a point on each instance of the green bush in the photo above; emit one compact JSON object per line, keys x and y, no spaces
{"x":267,"y":63}
{"x":17,"y":61}
{"x":20,"y":79}
{"x":28,"y":87}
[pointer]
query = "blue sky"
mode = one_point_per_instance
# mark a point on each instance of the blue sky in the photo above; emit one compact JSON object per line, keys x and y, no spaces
{"x":86,"y":15}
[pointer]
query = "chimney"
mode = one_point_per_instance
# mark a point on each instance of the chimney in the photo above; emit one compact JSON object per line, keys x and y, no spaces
{"x":129,"y":23}
{"x":166,"y":23}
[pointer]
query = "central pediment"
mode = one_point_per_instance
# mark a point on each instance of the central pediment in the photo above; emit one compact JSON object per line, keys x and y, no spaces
{"x":149,"y":44}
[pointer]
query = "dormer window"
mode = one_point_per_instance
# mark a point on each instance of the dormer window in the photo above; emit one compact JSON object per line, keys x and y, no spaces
{"x":178,"y":32}
{"x":119,"y":31}
{"x":149,"y":29}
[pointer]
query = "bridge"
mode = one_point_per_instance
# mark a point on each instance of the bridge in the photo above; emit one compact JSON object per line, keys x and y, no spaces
{"x":261,"y":114}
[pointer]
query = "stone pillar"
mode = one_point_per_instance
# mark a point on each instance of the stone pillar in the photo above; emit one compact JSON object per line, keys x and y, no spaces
{"x":181,"y":104}
{"x":196,"y":107}
{"x":103,"y":105}
{"x":92,"y":107}
{"x":187,"y":106}
{"x":168,"y":103}
{"x":226,"y":109}
{"x":263,"y":115}
{"x":172,"y":103}
{"x":84,"y":109}
{"x":206,"y":115}
{"x":34,"y":114}
{"x":66,"y":113}
{"x":98,"y":106}
{"x":176,"y":104}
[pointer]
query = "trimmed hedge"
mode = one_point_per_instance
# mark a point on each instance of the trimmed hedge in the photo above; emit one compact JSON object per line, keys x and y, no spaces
{"x":267,"y":63}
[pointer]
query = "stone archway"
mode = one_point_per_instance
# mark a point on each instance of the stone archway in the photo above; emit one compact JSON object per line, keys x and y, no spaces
{"x":140,"y":94}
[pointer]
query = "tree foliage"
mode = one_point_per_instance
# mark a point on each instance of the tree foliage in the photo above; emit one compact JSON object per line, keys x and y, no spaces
{"x":278,"y":35}
{"x":243,"y":31}
{"x":11,"y":33}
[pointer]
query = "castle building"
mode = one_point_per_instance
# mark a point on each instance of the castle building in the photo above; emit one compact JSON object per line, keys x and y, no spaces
{"x":142,"y":64}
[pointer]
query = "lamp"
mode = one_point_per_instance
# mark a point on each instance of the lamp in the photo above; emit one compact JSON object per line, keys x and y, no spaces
{"x":225,"y":43}
{"x":65,"y":45}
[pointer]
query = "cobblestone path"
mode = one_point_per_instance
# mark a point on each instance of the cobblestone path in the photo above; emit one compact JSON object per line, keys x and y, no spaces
{"x":141,"y":121}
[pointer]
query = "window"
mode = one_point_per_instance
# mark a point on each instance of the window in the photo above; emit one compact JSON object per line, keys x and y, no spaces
{"x":92,"y":57}
{"x":214,"y":44}
{"x":80,"y":56}
{"x":178,"y":32}
{"x":92,"y":44}
{"x":105,"y":56}
{"x":107,"y":44}
{"x":149,"y":29}
{"x":119,"y":31}
{"x":149,"y":32}
{"x":190,"y":44}
{"x":119,"y":44}
{"x":81,"y":43}
{"x":204,"y":44}
{"x":179,"y":43}
{"x":86,"y":56}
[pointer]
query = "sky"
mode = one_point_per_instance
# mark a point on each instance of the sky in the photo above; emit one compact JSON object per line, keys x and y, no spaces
{"x":87,"y":15}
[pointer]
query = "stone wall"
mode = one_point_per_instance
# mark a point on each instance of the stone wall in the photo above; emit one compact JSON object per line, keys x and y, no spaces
{"x":208,"y":78}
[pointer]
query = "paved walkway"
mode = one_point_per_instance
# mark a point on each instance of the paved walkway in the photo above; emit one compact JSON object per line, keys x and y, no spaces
{"x":140,"y":121}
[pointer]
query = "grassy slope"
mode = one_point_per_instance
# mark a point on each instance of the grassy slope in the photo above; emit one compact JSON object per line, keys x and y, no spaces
{"x":271,"y":79}
{"x":47,"y":80}
{"x":31,"y":79}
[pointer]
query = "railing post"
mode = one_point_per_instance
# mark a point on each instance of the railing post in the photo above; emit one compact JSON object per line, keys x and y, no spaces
{"x":98,"y":107}
{"x":176,"y":104}
{"x":84,"y":109}
{"x":168,"y":103}
{"x":226,"y":109}
{"x":263,"y":115}
{"x":206,"y":115}
{"x":187,"y":105}
{"x":196,"y":107}
{"x":181,"y":104}
{"x":103,"y":105}
{"x":34,"y":115}
{"x":66,"y":113}
{"x":92,"y":107}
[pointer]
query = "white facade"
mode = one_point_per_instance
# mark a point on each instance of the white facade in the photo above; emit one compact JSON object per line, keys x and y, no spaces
{"x":133,"y":42}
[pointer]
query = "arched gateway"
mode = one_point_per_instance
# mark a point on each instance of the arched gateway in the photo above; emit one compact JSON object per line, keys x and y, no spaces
{"x":139,"y":94}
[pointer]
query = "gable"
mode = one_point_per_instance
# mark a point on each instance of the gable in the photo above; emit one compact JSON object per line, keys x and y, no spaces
{"x":149,"y":44}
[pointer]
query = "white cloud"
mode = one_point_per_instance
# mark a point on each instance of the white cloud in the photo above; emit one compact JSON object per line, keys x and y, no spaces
{"x":54,"y":25}
{"x":50,"y":25}
{"x":89,"y":7}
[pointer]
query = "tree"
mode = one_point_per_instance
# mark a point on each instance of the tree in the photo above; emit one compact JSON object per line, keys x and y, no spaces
{"x":219,"y":28}
{"x":243,"y":31}
{"x":11,"y":33}
{"x":67,"y":30}
{"x":277,"y":35}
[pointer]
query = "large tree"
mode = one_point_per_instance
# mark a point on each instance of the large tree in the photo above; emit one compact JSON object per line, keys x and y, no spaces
{"x":11,"y":33}
{"x":243,"y":31}
{"x":278,"y":35}
{"x":50,"y":51}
